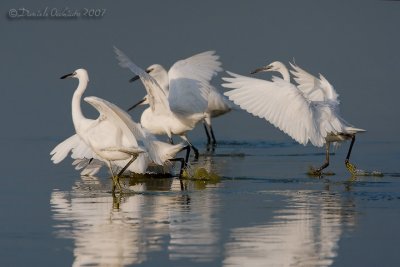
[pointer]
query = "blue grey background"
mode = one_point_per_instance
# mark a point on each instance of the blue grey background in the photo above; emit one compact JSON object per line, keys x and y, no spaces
{"x":354,"y":44}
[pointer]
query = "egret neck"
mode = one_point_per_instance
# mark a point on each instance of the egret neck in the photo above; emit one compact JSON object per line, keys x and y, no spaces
{"x":77,"y":116}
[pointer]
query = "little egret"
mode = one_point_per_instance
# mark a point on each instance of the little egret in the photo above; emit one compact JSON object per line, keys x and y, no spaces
{"x":209,"y":65}
{"x":111,"y":137}
{"x":306,"y":112}
{"x":178,"y":99}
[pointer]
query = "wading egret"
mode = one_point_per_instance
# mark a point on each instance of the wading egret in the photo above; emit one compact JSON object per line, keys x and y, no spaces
{"x":308,"y":112}
{"x":111,"y":137}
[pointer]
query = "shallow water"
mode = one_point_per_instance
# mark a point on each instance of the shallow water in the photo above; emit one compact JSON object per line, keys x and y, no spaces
{"x":263,"y":211}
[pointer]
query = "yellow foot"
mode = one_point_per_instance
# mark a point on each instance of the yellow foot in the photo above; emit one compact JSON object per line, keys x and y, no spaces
{"x":352,"y":168}
{"x":116,"y":184}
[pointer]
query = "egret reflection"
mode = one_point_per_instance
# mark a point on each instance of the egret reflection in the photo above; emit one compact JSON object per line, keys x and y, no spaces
{"x":123,"y":230}
{"x":304,"y":233}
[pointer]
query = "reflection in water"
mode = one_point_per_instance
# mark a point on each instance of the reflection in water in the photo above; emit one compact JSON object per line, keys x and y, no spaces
{"x":116,"y":231}
{"x":305,"y":233}
{"x":162,"y":223}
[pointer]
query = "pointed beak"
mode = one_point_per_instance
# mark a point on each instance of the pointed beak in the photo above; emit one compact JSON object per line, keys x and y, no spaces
{"x":66,"y":75}
{"x":264,"y":68}
{"x":138,"y":77}
{"x":134,"y":78}
{"x":137,"y":104}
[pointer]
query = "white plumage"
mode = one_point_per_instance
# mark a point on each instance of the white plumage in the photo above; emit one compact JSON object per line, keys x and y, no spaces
{"x":178,"y":98}
{"x":185,"y":77}
{"x":112,"y":137}
{"x":308,"y":112}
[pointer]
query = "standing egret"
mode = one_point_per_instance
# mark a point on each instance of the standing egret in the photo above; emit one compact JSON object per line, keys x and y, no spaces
{"x":111,"y":136}
{"x":209,"y":65}
{"x":306,"y":112}
{"x":178,"y":99}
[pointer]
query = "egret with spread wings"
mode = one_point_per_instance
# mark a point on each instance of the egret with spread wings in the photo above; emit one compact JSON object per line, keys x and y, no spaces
{"x":308,"y":112}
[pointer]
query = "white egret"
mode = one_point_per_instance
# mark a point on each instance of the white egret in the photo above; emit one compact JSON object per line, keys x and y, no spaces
{"x":178,"y":99}
{"x":218,"y":104}
{"x":111,"y":137}
{"x":308,"y":112}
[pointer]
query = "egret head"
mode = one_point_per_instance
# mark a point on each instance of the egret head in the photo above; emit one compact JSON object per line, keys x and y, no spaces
{"x":154,"y":70}
{"x":80,"y":74}
{"x":274,"y":66}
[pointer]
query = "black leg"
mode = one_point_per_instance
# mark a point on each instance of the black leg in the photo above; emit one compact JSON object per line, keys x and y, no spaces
{"x":183,"y":164}
{"x":208,"y":135}
{"x":183,"y":161}
{"x":126,"y":166}
{"x":187,"y":154}
{"x":196,"y":152}
{"x":214,"y":141}
{"x":353,"y":139}
{"x":352,"y":169}
{"x":326,"y":163}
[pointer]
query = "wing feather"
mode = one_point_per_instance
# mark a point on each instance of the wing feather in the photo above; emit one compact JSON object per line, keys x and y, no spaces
{"x":156,"y":96}
{"x":108,"y":111}
{"x":140,"y":135}
{"x":189,"y":83}
{"x":279,"y":102}
{"x":313,"y":88}
{"x":61,"y":151}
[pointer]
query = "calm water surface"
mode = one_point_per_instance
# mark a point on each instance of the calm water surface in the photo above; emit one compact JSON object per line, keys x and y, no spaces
{"x":263,"y":211}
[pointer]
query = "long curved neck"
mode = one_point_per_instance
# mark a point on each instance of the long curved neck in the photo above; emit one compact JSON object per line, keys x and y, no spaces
{"x":77,"y":115}
{"x":285,"y":73}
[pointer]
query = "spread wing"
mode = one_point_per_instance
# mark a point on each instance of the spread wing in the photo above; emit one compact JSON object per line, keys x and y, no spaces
{"x":75,"y":144}
{"x":84,"y":157}
{"x":156,"y":96}
{"x":313,"y":88}
{"x":189,"y":83}
{"x":279,"y":102}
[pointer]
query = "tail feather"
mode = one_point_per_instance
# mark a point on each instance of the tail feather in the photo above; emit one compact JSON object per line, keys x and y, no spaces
{"x":354,"y":130}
